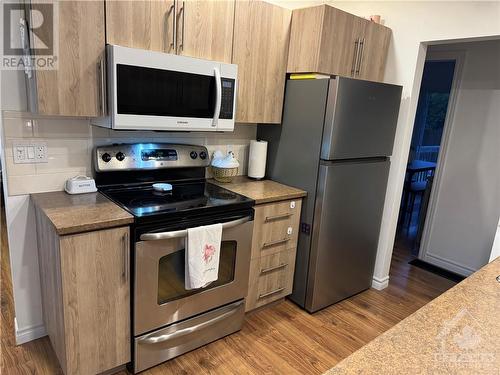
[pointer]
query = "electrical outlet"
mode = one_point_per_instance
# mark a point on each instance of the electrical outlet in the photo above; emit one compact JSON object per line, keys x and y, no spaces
{"x":29,"y":153}
{"x":40,"y":153}
{"x":19,"y":154}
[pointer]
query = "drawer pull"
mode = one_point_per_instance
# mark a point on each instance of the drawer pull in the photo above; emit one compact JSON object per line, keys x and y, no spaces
{"x":277,"y":242}
{"x":264,"y":295}
{"x":277,"y":217}
{"x":266,"y":270}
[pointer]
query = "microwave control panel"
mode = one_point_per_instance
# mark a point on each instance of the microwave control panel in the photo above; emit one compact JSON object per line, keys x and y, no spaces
{"x":228,"y":94}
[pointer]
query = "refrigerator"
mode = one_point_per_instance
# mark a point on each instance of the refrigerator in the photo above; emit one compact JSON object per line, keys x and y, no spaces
{"x":335,"y":142}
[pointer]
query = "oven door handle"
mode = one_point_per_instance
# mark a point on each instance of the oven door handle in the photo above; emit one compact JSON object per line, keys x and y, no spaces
{"x":183,"y":232}
{"x":156,"y":339}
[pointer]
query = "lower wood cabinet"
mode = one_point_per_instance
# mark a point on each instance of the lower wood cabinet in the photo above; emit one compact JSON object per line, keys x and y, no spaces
{"x":274,"y":247}
{"x":86,"y":296}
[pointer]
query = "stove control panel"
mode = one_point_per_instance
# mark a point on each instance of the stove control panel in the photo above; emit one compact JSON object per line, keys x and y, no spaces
{"x":137,"y":156}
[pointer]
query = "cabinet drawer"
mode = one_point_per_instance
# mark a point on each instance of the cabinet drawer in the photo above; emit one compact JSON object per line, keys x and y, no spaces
{"x":271,"y":278}
{"x":276,"y":227}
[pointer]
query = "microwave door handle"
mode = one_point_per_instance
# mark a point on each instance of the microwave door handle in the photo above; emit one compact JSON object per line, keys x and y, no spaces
{"x":218,"y":96}
{"x":183,"y":232}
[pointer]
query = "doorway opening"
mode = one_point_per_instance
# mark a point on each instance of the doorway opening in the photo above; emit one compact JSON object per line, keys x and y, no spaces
{"x":432,"y":110}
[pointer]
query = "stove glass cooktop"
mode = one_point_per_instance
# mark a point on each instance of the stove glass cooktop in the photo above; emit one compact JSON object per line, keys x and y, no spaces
{"x":144,"y":201}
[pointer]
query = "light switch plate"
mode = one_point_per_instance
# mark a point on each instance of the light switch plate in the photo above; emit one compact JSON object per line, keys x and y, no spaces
{"x":30,"y":153}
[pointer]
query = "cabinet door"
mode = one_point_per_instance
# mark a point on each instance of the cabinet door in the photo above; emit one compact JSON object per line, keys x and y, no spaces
{"x":205,"y":29}
{"x":96,"y":297}
{"x":373,"y":52}
{"x":351,"y":47}
{"x":144,"y":24}
{"x":305,"y":39}
{"x":324,"y":40}
{"x":338,"y":47}
{"x":261,"y":35}
{"x":72,"y":89}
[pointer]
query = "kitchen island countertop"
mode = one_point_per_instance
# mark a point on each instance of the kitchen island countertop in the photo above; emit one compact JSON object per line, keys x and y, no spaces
{"x":80,"y":213}
{"x":261,"y":191}
{"x":456,"y":333}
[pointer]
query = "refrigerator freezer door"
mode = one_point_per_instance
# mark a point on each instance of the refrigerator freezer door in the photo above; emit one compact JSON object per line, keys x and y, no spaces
{"x":360,"y":120}
{"x":347,"y":218}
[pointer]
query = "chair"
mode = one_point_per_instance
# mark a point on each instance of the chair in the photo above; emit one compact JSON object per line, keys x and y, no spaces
{"x":417,"y":187}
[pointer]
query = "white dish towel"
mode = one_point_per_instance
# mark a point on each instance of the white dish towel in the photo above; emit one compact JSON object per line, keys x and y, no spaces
{"x":202,"y":255}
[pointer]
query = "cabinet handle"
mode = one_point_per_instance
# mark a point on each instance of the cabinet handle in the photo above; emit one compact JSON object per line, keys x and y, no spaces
{"x":101,"y":71}
{"x":360,"y":57}
{"x":264,"y":295}
{"x":181,"y":44}
{"x":171,"y":10}
{"x":266,"y":270}
{"x":25,"y":44}
{"x":267,"y":244}
{"x":126,"y":255}
{"x":277,"y":217}
{"x":354,"y":57}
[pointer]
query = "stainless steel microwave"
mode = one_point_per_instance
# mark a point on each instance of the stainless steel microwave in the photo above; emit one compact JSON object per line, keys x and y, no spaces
{"x":148,"y":90}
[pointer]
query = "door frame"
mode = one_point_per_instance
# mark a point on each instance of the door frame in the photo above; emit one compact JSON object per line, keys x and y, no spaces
{"x":459,"y":57}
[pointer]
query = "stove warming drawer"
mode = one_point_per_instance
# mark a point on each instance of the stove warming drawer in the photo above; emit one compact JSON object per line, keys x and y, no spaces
{"x":178,"y":338}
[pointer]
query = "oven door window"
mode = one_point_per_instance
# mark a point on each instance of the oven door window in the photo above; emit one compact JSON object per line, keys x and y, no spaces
{"x":159,"y":92}
{"x":171,"y":273}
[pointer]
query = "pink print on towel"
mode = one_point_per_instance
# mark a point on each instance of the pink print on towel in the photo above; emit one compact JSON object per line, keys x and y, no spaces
{"x":208,"y":252}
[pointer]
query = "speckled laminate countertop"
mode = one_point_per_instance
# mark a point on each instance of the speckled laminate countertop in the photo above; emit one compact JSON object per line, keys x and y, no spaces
{"x":262,"y":191}
{"x":80,"y":213}
{"x":456,"y":333}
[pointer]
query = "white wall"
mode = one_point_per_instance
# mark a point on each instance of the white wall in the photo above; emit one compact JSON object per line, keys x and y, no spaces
{"x":465,"y":202}
{"x":412,"y":24}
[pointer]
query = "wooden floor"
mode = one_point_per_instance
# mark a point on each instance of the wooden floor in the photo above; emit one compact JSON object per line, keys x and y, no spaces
{"x":281,"y":339}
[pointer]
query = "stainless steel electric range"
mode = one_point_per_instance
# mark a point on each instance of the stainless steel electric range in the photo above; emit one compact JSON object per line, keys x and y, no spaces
{"x":167,"y":319}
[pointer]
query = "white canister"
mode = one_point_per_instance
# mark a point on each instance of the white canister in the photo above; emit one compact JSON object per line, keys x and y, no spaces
{"x":257,"y":159}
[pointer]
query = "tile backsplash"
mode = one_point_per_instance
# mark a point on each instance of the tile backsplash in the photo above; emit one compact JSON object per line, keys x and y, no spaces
{"x":70,"y":143}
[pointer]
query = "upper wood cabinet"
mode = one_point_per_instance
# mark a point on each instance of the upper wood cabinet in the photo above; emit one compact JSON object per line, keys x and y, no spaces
{"x":202,"y":29}
{"x":205,"y":29}
{"x":260,"y":48}
{"x":374,"y":47}
{"x":71,"y":89}
{"x":330,"y":41}
{"x":141,"y":24}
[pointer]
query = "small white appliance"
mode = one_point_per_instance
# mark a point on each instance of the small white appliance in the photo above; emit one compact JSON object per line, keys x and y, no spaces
{"x":80,"y":185}
{"x":149,"y":90}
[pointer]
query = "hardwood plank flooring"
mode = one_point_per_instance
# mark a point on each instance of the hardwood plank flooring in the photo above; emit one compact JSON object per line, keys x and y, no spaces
{"x":280,"y":339}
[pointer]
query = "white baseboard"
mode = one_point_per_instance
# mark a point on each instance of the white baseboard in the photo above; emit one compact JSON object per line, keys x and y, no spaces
{"x":447,"y":264}
{"x":29,"y":333}
{"x":380,"y":283}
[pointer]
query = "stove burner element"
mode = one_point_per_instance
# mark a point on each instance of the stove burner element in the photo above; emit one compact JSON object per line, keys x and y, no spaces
{"x":164,"y":188}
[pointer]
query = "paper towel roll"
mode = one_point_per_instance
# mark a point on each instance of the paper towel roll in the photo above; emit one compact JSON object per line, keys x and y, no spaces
{"x":257,"y":159}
